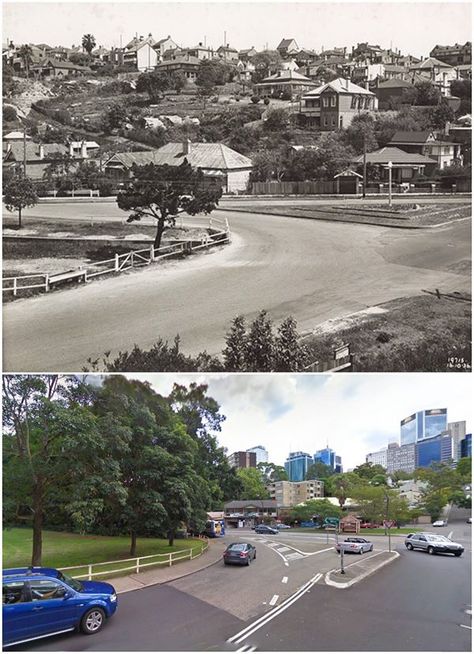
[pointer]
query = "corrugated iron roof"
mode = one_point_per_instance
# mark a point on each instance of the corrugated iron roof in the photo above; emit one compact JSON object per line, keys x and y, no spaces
{"x":202,"y":155}
{"x":411,"y":137}
{"x":396,"y":156}
{"x":340,"y":85}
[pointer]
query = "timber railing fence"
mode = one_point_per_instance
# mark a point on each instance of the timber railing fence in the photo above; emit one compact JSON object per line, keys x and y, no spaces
{"x":136,"y":563}
{"x":219,"y":233}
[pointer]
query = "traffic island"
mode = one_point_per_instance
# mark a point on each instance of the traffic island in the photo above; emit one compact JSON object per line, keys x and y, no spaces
{"x":360,"y":569}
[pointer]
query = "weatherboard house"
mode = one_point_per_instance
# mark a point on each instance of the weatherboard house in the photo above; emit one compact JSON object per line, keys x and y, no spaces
{"x":217,"y":161}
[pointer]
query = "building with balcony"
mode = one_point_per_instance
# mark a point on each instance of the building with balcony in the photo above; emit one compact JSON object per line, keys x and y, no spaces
{"x":444,"y":152}
{"x":291,"y":493}
{"x":288,"y":82}
{"x":248,"y":513}
{"x":333,"y":105}
{"x":297,"y":465}
{"x":453,"y":54}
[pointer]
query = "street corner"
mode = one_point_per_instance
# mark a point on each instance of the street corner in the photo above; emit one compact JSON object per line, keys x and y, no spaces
{"x":356,"y":572}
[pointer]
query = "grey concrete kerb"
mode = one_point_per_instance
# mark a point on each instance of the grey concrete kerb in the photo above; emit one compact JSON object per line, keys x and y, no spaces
{"x":359,"y":570}
{"x":166,"y":575}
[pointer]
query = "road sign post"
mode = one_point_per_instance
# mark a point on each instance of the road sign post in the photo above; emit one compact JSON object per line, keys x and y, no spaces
{"x":343,"y":572}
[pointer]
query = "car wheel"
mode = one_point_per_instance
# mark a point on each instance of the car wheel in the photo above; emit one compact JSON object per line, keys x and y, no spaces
{"x":371,"y":548}
{"x":409,"y":546}
{"x":431,"y":550}
{"x":457,"y":553}
{"x":255,"y":555}
{"x":92,"y":621}
{"x":248,"y":560}
{"x":360,"y":550}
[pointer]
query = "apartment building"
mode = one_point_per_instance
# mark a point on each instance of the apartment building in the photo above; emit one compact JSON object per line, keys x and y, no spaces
{"x":288,"y":493}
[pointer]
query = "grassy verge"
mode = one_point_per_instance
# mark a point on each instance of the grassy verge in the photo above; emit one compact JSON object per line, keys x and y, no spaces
{"x":61,"y":550}
{"x":426,"y":216}
{"x":413,"y":334}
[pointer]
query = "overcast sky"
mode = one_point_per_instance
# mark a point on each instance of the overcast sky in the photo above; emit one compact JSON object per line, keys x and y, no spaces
{"x":354,"y":413}
{"x":414,"y":27}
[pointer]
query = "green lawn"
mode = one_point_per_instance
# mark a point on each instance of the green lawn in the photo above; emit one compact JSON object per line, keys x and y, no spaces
{"x":61,"y":550}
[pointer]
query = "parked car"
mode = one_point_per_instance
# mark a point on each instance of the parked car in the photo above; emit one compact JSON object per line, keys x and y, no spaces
{"x":265,"y":529}
{"x":283,"y":526}
{"x":433,"y":544}
{"x":439,"y":523}
{"x":240,"y":553}
{"x":40,"y":602}
{"x":369,"y":525}
{"x":354,"y":545}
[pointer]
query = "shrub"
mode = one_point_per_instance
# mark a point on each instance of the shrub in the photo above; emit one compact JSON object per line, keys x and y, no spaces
{"x":383,"y":337}
{"x":255,"y":99}
{"x":9,"y":114}
{"x":266,"y":101}
{"x":105,"y":187}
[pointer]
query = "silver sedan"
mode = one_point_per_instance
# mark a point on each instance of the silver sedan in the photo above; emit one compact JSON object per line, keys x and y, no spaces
{"x":355,"y":545}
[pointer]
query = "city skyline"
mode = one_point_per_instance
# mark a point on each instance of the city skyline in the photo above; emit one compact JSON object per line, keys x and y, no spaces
{"x":353,"y":414}
{"x":414,"y":28}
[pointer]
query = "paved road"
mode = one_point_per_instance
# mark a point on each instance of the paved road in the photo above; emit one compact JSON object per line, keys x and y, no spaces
{"x":311,"y":270}
{"x":415,"y":604}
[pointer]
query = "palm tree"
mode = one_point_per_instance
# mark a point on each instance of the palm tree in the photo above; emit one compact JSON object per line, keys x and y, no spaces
{"x":25,"y":52}
{"x":88,"y":43}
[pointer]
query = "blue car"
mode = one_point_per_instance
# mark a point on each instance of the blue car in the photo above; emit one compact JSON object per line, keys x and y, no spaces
{"x":40,"y":602}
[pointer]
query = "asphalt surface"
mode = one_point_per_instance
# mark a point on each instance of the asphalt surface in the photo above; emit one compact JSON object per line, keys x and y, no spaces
{"x":416,"y":603}
{"x":311,"y":270}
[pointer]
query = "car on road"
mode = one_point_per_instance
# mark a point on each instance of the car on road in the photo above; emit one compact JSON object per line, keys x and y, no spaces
{"x":354,"y":545}
{"x":283,"y":526}
{"x":239,"y":553}
{"x":433,"y":544}
{"x":439,"y":523}
{"x":369,"y":525}
{"x":469,"y":521}
{"x":40,"y":602}
{"x":265,"y":529}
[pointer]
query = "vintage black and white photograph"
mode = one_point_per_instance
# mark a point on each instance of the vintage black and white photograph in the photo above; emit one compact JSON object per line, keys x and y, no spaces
{"x":221,"y":186}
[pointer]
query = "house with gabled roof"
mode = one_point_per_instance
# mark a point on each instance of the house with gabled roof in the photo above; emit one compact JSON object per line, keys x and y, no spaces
{"x":52,"y":68}
{"x":454,"y":55}
{"x":228,"y":53}
{"x":247,"y":54}
{"x":163,"y":45}
{"x":141,"y":55}
{"x":288,"y":82}
{"x":287,"y":47}
{"x":334,"y":104}
{"x":406,"y":166}
{"x":442,"y":150}
{"x":436,"y":72}
{"x":391,"y":89}
{"x":217,"y":161}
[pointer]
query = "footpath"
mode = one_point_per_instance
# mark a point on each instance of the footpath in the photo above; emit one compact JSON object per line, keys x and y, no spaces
{"x":163,"y":575}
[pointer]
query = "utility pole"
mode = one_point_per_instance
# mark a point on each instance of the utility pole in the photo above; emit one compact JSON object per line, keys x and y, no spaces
{"x":24,"y":151}
{"x":364,"y":171}
{"x":390,"y":184}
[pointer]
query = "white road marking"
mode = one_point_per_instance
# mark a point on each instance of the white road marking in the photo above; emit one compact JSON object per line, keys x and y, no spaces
{"x":468,"y":611}
{"x":465,"y":626}
{"x":287,"y":564}
{"x":450,"y":535}
{"x":260,"y":622}
{"x":294,"y":555}
{"x":284,"y":580}
{"x":284,"y":549}
{"x":246,"y":648}
{"x":274,"y":600}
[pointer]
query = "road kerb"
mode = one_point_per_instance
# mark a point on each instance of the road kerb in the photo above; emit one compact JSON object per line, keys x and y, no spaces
{"x":363,"y":575}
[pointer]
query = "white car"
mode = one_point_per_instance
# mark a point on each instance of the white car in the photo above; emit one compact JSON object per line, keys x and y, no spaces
{"x":439,"y":523}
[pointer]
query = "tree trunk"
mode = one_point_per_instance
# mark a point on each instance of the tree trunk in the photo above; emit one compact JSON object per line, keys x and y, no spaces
{"x":19,"y":218}
{"x":133,"y":543}
{"x":171,"y":537}
{"x":38,"y":514}
{"x":160,"y":228}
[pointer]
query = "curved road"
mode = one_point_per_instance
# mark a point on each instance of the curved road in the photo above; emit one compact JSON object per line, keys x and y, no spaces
{"x":311,"y":270}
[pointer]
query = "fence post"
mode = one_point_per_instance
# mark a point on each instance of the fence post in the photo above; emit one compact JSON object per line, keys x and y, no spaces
{"x":14,"y":286}
{"x":46,"y":283}
{"x":191,"y":554}
{"x":90,"y":572}
{"x":152,"y":252}
{"x":116,"y":262}
{"x":138,"y":565}
{"x":170,"y":563}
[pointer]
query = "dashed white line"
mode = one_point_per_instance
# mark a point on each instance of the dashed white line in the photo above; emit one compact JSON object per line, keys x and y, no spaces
{"x":465,"y":626}
{"x":274,"y":600}
{"x":284,"y":580}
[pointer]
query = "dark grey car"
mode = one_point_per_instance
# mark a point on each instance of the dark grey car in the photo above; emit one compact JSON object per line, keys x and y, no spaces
{"x":240,"y":553}
{"x":433,"y":544}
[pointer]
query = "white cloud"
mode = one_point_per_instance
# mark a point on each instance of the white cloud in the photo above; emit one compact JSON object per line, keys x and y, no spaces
{"x":354,"y":413}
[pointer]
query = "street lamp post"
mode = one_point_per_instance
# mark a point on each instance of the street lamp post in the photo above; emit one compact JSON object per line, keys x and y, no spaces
{"x":390,"y":165}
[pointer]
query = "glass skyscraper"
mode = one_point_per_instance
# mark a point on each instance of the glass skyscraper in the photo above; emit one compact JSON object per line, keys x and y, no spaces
{"x":297,"y":465}
{"x":329,"y":458}
{"x":422,"y":425}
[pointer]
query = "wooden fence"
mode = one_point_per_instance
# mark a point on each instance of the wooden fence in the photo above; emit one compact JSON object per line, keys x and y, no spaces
{"x":352,"y":187}
{"x":220,"y":234}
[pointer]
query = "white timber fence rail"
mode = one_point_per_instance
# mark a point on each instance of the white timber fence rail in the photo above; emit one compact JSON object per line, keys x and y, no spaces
{"x":92,"y":570}
{"x":219,"y":233}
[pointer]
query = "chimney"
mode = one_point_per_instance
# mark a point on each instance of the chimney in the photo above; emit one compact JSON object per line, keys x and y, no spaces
{"x":84,"y":150}
{"x":41,"y":151}
{"x":71,"y":150}
{"x":447,"y":126}
{"x":187,"y":146}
